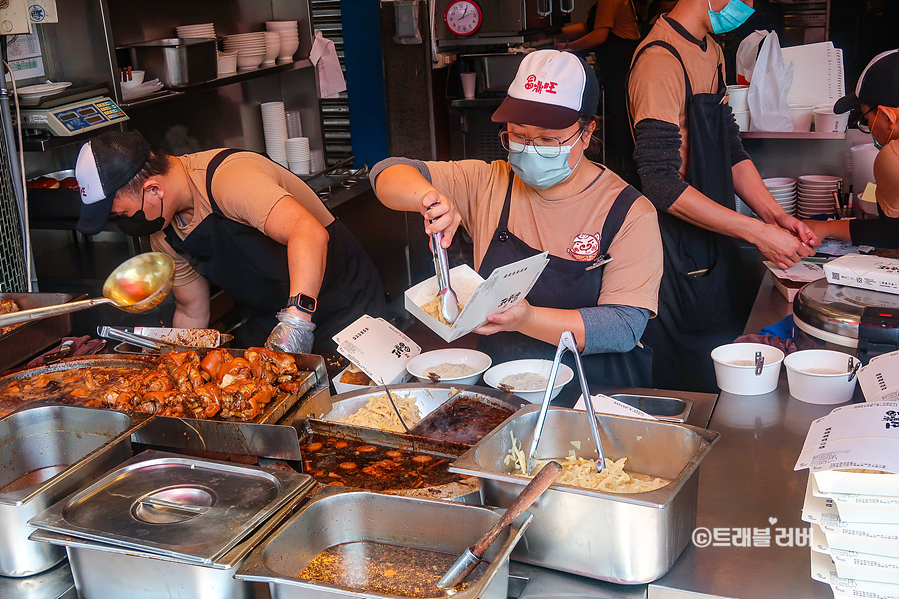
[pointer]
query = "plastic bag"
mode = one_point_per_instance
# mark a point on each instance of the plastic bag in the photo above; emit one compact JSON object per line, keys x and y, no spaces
{"x":770,"y":84}
{"x":747,"y":54}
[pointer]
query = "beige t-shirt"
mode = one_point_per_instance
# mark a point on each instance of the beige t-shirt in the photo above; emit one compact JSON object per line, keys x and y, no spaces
{"x":619,"y":16}
{"x":568,"y":229}
{"x":656,"y":85}
{"x":246,"y":187}
{"x":886,"y":174}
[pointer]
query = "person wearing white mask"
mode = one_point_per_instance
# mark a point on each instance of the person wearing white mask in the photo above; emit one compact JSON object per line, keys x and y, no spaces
{"x":877,"y":98}
{"x":602,"y":236}
{"x":691,"y":162}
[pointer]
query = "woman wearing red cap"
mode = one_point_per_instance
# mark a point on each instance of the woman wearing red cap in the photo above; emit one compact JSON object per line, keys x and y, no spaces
{"x":603,"y":237}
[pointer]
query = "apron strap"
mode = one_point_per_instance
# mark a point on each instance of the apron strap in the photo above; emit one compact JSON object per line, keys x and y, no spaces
{"x":216,"y":162}
{"x":673,"y":50}
{"x":616,"y":216}
{"x":503,"y":224}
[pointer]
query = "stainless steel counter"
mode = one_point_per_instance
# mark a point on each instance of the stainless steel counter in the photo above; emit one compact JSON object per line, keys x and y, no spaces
{"x":746,"y":481}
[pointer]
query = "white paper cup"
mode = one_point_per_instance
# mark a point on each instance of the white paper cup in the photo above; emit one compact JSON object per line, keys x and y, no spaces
{"x":828,"y":122}
{"x":802,"y":116}
{"x":827,"y":388}
{"x":299,"y":168}
{"x":469,"y":82}
{"x":742,"y":119}
{"x":735,"y":368}
{"x":739,"y":97}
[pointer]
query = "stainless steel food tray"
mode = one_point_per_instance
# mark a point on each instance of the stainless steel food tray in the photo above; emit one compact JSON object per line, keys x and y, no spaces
{"x":29,"y":339}
{"x":335,"y":517}
{"x":671,"y":409}
{"x":166,"y":504}
{"x":61,"y":449}
{"x":622,"y":538}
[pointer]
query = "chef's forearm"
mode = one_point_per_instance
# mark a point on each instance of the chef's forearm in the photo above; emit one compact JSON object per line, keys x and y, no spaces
{"x":192,"y":305}
{"x":400,"y":186}
{"x":307,"y":257}
{"x":749,"y":186}
{"x":548,"y":324}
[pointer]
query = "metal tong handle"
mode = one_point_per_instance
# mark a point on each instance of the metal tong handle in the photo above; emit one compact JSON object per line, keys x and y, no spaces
{"x":569,"y":4}
{"x":449,"y":304}
{"x":138,"y":340}
{"x":759,"y":363}
{"x":567,"y":342}
{"x":174,"y":507}
{"x":549,"y":7}
{"x":395,"y":409}
{"x":854,"y":365}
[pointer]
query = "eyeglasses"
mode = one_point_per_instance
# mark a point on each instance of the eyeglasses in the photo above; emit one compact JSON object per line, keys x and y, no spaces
{"x":548,"y":147}
{"x":863,"y":125}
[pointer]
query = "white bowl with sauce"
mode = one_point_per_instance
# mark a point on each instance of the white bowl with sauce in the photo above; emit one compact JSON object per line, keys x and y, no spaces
{"x":495,"y":375}
{"x":821,"y":376}
{"x":420,"y":365}
{"x":735,"y":368}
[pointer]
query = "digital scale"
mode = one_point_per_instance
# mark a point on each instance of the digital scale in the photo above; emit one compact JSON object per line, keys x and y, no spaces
{"x":72,"y":112}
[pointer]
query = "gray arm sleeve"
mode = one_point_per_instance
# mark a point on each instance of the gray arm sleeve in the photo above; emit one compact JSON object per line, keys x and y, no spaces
{"x":658,"y":158}
{"x":613,"y":328}
{"x":737,"y":153}
{"x":388,"y":162}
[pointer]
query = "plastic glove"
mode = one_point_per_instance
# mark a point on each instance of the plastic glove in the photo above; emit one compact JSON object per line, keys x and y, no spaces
{"x":292,"y":334}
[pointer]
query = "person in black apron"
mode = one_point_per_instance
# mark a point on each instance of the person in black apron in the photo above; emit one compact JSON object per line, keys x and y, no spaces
{"x":553,"y":95}
{"x":703,"y":301}
{"x":244,"y":262}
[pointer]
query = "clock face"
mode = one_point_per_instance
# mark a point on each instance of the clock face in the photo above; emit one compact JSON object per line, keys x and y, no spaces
{"x":463,"y":17}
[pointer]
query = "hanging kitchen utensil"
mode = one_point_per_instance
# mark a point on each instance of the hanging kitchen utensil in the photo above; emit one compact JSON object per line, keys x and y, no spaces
{"x":449,"y":304}
{"x":567,"y":342}
{"x":395,"y":409}
{"x":469,"y":560}
{"x":137,"y":285}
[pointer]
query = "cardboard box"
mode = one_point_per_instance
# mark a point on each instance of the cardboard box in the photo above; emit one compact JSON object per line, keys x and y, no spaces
{"x":865,"y":272}
{"x":505,"y":287}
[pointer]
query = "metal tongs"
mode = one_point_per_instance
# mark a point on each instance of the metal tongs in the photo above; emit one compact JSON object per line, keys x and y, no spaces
{"x":449,"y":304}
{"x":395,"y":409}
{"x":566,"y":343}
{"x":138,"y":340}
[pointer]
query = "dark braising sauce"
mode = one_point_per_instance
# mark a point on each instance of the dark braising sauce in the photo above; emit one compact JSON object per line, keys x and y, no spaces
{"x":385,"y":568}
{"x":461,"y":420}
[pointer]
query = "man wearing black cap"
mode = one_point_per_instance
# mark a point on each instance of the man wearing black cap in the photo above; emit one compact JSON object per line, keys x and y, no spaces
{"x":238,"y":220}
{"x":877,"y":97}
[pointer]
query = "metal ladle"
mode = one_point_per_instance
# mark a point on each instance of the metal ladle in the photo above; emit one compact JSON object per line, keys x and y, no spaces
{"x":566,"y":343}
{"x":137,"y":285}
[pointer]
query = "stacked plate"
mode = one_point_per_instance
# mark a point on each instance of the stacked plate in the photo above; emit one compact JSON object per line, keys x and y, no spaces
{"x":290,"y":38}
{"x":250,"y":47}
{"x":784,"y":191}
{"x":274,"y":126}
{"x":203,"y":30}
{"x":816,"y":194}
{"x":33,"y":94}
{"x":298,"y":155}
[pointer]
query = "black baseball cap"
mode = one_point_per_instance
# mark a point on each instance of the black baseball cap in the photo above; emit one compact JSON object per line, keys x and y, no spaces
{"x":878,"y":85}
{"x":552,"y":89}
{"x":105,"y":165}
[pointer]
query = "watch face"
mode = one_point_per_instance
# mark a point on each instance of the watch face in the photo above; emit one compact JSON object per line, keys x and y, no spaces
{"x":307,"y":303}
{"x":463,"y":17}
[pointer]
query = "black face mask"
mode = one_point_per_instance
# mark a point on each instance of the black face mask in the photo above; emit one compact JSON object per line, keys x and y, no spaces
{"x":138,"y":225}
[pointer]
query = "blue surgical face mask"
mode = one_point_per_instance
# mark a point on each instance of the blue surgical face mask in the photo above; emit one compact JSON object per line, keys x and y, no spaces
{"x":540,"y":172}
{"x":731,"y":16}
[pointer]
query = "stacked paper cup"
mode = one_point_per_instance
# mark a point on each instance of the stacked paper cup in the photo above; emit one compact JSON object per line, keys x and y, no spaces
{"x":274,"y":126}
{"x":290,"y":38}
{"x":298,"y":155}
{"x":203,"y":30}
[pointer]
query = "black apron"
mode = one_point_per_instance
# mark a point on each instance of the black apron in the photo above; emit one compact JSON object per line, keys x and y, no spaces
{"x":566,"y":285}
{"x":252,"y":268}
{"x":703,"y":298}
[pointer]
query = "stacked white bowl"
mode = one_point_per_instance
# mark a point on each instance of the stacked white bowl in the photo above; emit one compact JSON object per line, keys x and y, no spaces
{"x":290,"y":38}
{"x":250,"y":48}
{"x":274,"y":127}
{"x":816,"y":194}
{"x":784,"y":191}
{"x":202,"y":30}
{"x":298,"y":155}
{"x":272,"y":48}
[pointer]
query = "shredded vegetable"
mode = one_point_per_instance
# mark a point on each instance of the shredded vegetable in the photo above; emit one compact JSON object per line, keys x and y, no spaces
{"x":379,"y":414}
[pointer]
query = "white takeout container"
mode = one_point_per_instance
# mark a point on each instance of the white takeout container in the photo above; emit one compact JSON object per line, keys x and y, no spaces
{"x":863,"y":483}
{"x":347,"y":387}
{"x":378,"y":349}
{"x":864,"y":272}
{"x":743,"y":118}
{"x":742,"y":380}
{"x":802,"y":116}
{"x":738,"y":97}
{"x":825,"y":389}
{"x":828,"y":122}
{"x":420,"y":364}
{"x":542,"y":367}
{"x":856,"y":565}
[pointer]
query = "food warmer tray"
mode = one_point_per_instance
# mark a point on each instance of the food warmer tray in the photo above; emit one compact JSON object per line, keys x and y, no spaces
{"x":194,"y":510}
{"x":29,"y":339}
{"x":631,"y":538}
{"x":464,"y":491}
{"x":345,"y":517}
{"x":56,"y":583}
{"x":312,"y":365}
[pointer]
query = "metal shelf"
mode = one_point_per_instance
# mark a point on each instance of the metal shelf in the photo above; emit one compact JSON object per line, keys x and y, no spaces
{"x":791,"y":135}
{"x":51,"y":142}
{"x":238,"y":77}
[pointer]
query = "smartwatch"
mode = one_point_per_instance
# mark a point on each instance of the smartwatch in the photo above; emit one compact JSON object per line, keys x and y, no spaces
{"x":304,"y":302}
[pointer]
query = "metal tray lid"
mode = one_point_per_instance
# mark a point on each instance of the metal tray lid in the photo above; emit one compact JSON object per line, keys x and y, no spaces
{"x":174,"y":506}
{"x":838,"y":309}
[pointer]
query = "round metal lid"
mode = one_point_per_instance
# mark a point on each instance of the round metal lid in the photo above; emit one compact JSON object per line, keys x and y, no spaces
{"x":837,"y":309}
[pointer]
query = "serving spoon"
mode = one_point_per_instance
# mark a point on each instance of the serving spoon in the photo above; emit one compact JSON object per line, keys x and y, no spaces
{"x":137,"y":285}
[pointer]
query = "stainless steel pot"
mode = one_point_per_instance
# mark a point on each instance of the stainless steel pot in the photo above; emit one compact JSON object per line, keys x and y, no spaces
{"x":46,"y":453}
{"x":176,"y":62}
{"x":335,"y":517}
{"x":621,"y":538}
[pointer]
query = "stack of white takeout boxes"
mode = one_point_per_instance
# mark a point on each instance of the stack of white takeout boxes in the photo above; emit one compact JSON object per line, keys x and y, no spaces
{"x":852,"y":499}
